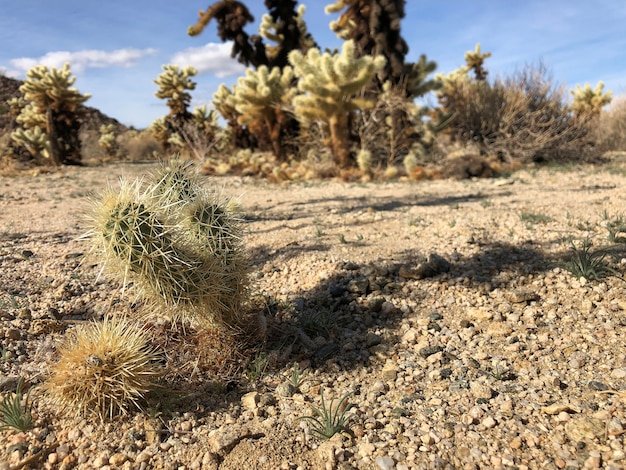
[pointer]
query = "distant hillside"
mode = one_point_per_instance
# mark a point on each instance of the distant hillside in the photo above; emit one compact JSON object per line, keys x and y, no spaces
{"x":9,"y":88}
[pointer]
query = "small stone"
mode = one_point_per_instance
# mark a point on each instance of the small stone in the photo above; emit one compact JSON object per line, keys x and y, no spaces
{"x":515,"y":443}
{"x":429,"y":351}
{"x":585,"y":429}
{"x":366,"y":449}
{"x":144,"y":456}
{"x":389,"y":372}
{"x":480,"y":390}
{"x":410,"y":336}
{"x":358,"y":286}
{"x":618,"y":373}
{"x":53,"y":458}
{"x":557,"y":408}
{"x":458,"y":385}
{"x":596,"y":385}
{"x":594,"y":460}
{"x":117,"y":459}
{"x":285,"y":389}
{"x":522,"y":295}
{"x":489,"y":422}
{"x":250,"y":400}
{"x":385,"y":463}
{"x":372,"y":339}
{"x":13,"y":334}
{"x":474,"y":313}
{"x":222,"y":440}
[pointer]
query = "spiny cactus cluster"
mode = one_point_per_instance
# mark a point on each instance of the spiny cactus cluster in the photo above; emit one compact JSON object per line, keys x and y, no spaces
{"x":103,"y":369}
{"x":50,"y":114}
{"x":178,"y":243}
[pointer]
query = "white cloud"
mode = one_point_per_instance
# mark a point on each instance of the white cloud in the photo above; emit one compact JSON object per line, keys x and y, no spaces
{"x":10,"y":72}
{"x":210,"y":58}
{"x":80,"y":60}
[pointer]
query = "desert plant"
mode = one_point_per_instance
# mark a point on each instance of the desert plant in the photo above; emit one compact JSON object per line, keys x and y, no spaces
{"x":589,"y":263}
{"x":103,"y":369}
{"x":329,"y":85}
{"x":609,"y":129}
{"x":328,"y":420}
{"x":588,"y":102}
{"x":13,"y":414}
{"x":177,"y":243}
{"x":298,"y":376}
{"x":261,"y":100}
{"x":284,"y":25}
{"x":53,"y":106}
{"x":107,"y":140}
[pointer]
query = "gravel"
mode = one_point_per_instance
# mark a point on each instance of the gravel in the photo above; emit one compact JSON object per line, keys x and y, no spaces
{"x":444,"y":315}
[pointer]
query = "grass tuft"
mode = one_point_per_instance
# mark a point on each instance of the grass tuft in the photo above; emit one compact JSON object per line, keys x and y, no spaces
{"x":13,"y":414}
{"x":329,"y":420}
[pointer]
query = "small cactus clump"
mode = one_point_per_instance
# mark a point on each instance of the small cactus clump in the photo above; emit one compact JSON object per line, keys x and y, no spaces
{"x":103,"y":369}
{"x":177,"y":243}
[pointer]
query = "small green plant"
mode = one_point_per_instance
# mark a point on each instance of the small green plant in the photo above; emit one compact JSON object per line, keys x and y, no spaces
{"x":257,"y":367}
{"x":532,"y":218}
{"x":13,"y":414}
{"x":328,"y":420}
{"x":342,"y":239}
{"x":616,"y":226}
{"x":589,"y":263}
{"x":298,"y":375}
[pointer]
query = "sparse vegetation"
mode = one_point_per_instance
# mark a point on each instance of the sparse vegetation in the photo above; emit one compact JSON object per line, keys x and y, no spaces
{"x":15,"y":410}
{"x":589,"y":263}
{"x":329,"y":419}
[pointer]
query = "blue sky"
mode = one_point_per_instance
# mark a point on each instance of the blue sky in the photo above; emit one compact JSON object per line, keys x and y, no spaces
{"x":116,"y":47}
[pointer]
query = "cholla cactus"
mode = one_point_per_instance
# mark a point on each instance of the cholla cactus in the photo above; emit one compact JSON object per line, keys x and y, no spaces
{"x":475,"y":60}
{"x":173,"y":84}
{"x":589,"y":102}
{"x":284,"y":25}
{"x":107,"y":139}
{"x":55,"y":107}
{"x":261,"y":99}
{"x":374,"y":26}
{"x":103,"y":369}
{"x":329,"y":85}
{"x":34,"y":140}
{"x":177,"y":243}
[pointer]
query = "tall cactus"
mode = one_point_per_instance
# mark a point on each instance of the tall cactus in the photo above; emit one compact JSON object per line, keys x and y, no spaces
{"x":329,"y":84}
{"x":284,"y":26}
{"x":55,"y":107}
{"x":261,"y":99}
{"x":374,"y":26}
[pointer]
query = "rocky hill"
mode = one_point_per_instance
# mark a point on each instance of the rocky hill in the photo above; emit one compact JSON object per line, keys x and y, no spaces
{"x":9,"y":88}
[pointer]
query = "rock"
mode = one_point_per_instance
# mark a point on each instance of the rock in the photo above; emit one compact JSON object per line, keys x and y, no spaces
{"x":389,"y":372}
{"x":117,"y":459}
{"x":385,"y":463}
{"x":519,"y":296}
{"x":285,"y":389}
{"x":429,"y":351}
{"x":480,"y":390}
{"x":250,"y":400}
{"x":557,"y":408}
{"x":358,"y":285}
{"x":435,"y":265}
{"x":584,"y":428}
{"x":222,"y":440}
{"x":372,"y":339}
{"x":8,"y":383}
{"x":475,"y":313}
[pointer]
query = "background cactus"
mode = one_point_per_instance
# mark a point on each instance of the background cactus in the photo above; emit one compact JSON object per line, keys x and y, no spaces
{"x":149,"y":235}
{"x":284,"y":26}
{"x":262,"y":100}
{"x":51,"y":104}
{"x":103,"y":369}
{"x":330,"y":84}
{"x":107,"y":140}
{"x":588,"y":102}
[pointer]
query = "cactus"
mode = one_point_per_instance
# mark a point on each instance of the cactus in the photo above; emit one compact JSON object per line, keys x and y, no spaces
{"x":329,"y":85}
{"x":103,"y":369}
{"x":374,"y":26}
{"x":34,"y":140}
{"x":475,"y":60}
{"x":261,"y":99}
{"x":52,"y":105}
{"x":107,"y":140}
{"x":589,"y":102}
{"x":284,"y":26}
{"x":149,"y":235}
{"x":173,"y":84}
{"x":223,"y":103}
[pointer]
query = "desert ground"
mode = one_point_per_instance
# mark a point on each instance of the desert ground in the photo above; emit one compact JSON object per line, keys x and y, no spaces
{"x":443,"y":311}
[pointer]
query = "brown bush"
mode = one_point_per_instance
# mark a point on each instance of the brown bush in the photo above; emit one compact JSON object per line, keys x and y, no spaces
{"x":522,"y":118}
{"x":139,"y":146}
{"x":609,"y":129}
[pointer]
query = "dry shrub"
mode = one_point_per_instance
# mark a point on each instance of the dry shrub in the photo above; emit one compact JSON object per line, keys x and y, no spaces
{"x":610,"y":128}
{"x":522,"y":118}
{"x":139,"y":146}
